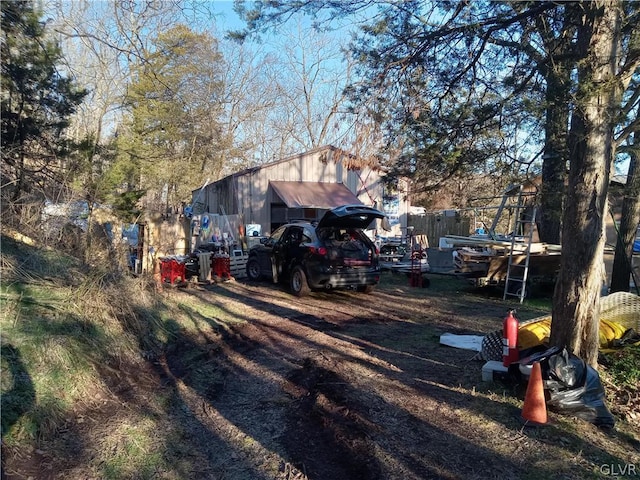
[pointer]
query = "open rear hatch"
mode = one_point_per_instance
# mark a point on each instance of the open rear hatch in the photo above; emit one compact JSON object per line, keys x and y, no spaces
{"x":350,"y":216}
{"x":347,"y":244}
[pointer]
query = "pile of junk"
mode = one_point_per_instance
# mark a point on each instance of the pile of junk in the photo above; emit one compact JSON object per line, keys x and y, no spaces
{"x":209,"y":260}
{"x":571,"y":386}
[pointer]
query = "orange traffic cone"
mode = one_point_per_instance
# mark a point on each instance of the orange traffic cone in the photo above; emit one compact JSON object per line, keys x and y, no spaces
{"x":534,"y":411}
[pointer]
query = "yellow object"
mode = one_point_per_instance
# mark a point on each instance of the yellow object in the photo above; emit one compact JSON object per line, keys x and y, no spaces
{"x":619,"y":312}
{"x":610,"y":331}
{"x":534,"y":333}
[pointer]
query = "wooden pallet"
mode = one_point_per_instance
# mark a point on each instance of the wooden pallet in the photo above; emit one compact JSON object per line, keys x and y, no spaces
{"x":239,"y":266}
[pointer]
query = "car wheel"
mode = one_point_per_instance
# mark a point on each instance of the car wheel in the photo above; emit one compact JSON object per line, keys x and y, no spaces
{"x":298,"y":282}
{"x":253,"y":269}
{"x":366,"y":288}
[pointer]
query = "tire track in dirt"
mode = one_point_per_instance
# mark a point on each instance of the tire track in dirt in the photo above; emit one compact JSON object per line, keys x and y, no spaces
{"x":338,"y":394}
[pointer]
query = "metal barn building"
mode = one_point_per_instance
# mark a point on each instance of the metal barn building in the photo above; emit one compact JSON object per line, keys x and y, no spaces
{"x":299,"y":187}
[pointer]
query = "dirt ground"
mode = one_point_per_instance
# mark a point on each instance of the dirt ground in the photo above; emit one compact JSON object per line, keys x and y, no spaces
{"x":338,"y":385}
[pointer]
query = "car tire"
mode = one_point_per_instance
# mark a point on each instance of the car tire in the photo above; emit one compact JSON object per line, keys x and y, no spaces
{"x":253,"y":269}
{"x":366,"y":288}
{"x":298,"y":282}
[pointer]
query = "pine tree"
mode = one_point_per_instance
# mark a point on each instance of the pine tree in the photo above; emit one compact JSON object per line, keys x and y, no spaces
{"x":36,"y":104}
{"x":172,"y":136}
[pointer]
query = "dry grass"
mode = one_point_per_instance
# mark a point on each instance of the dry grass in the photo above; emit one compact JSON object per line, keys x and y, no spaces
{"x":109,"y":379}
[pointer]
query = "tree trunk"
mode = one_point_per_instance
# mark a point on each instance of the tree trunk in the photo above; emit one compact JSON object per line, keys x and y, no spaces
{"x":576,"y":299}
{"x":557,"y":73}
{"x":555,"y":156}
{"x":20,"y":169}
{"x":628,"y":226}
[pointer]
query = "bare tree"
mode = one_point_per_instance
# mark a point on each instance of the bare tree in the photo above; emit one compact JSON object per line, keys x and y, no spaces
{"x":313,"y":85}
{"x":251,"y":95}
{"x":102,"y":41}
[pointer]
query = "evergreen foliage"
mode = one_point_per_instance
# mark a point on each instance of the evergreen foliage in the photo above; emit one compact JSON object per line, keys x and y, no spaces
{"x":37,"y":102}
{"x":172,"y":136}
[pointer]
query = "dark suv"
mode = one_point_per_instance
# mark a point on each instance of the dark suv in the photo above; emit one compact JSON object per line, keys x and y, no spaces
{"x":334,"y":254}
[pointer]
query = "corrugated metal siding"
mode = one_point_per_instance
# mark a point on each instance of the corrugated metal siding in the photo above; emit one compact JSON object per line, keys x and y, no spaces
{"x":248,"y":193}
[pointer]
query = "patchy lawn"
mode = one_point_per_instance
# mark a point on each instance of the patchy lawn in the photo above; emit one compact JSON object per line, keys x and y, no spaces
{"x":249,"y":382}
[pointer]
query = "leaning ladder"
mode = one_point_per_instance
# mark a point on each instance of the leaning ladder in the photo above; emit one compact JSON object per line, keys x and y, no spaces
{"x":518,"y":271}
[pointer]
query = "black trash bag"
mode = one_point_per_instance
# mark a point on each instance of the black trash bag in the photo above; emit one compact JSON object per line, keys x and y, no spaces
{"x":630,"y":337}
{"x":573,"y":387}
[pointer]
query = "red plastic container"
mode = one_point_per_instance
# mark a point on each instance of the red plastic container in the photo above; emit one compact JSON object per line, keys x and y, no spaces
{"x":171,"y":271}
{"x":221,"y":267}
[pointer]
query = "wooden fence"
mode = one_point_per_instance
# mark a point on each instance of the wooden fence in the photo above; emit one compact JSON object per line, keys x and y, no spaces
{"x":434,"y":226}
